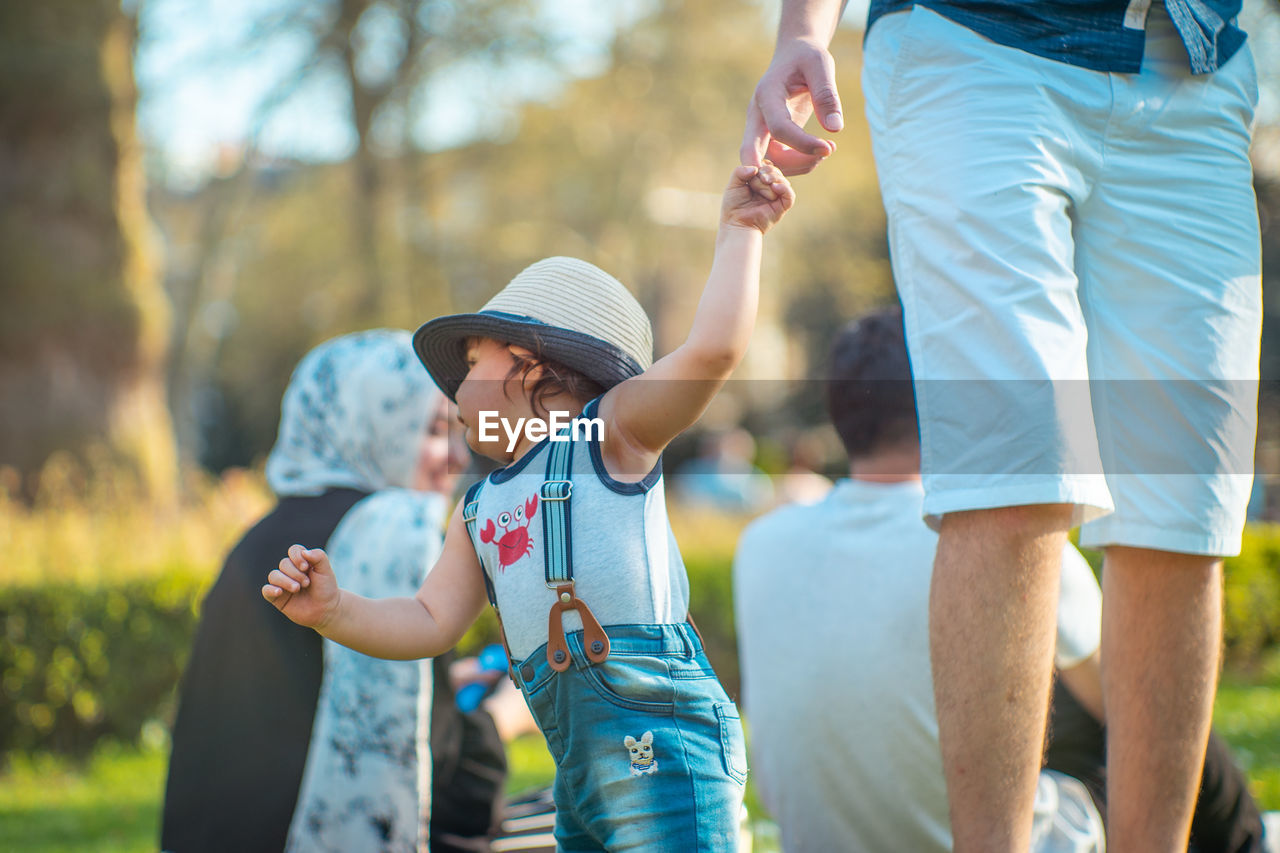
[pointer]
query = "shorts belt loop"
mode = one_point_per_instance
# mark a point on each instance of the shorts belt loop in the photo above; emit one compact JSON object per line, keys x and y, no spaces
{"x":689,"y":650}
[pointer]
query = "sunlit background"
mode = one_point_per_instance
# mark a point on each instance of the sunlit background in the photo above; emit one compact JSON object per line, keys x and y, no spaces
{"x":196,"y":193}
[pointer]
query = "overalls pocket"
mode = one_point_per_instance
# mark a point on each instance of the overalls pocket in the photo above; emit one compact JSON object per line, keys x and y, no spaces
{"x":634,"y":682}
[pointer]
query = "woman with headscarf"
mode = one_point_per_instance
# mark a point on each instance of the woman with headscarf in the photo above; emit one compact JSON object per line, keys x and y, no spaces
{"x":361,"y":462}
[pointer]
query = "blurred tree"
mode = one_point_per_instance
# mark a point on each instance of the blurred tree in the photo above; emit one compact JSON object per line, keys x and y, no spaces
{"x":624,"y":169}
{"x":337,"y":251}
{"x":389,"y":53}
{"x":84,"y":324}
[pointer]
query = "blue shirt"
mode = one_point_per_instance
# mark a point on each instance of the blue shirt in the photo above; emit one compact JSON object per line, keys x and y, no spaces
{"x":1090,"y":33}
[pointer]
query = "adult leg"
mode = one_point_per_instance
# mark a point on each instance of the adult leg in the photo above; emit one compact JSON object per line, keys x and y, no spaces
{"x":991,"y":638}
{"x":980,"y":169}
{"x":1167,"y":255}
{"x":1161,"y":630}
{"x":1226,"y":818}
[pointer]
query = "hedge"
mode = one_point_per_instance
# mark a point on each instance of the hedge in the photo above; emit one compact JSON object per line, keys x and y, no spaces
{"x":82,"y":661}
{"x":1251,"y":600}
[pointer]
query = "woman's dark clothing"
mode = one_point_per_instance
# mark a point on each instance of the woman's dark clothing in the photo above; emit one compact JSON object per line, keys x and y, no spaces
{"x":1226,"y":818}
{"x":248,"y":696}
{"x":469,"y":770}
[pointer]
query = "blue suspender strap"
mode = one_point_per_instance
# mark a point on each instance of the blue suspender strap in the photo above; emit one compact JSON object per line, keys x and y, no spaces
{"x":558,"y":561}
{"x":557,"y":547}
{"x":470,"y":510}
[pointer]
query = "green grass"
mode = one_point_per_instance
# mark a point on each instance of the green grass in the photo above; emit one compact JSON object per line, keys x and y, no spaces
{"x":529,"y":764}
{"x":111,"y":804}
{"x":1247,"y":714}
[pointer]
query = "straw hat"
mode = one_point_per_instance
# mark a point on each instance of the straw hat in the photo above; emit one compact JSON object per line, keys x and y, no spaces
{"x":564,"y":309}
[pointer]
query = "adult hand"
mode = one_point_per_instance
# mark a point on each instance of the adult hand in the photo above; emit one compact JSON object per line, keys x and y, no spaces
{"x":799,"y":82}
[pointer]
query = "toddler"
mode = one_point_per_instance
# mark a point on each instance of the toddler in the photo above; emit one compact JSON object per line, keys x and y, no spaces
{"x":570,"y":540}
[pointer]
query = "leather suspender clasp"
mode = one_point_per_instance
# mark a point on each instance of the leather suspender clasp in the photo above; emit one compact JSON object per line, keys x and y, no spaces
{"x":594,"y":639}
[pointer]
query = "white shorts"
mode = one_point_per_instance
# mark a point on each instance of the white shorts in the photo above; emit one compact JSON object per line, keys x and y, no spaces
{"x":1078,"y":258}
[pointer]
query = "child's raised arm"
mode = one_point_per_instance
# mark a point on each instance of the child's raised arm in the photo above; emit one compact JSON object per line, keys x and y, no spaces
{"x":305,"y":589}
{"x":643,"y":414}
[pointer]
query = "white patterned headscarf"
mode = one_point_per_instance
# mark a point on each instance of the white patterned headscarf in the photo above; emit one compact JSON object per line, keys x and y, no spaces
{"x":352,"y":416}
{"x":367,"y":782}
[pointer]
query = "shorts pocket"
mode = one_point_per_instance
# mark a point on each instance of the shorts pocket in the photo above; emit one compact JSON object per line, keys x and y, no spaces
{"x":903,"y":61}
{"x":634,"y":683}
{"x":733,"y":744}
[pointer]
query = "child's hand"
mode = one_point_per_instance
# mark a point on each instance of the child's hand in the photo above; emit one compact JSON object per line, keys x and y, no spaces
{"x":756,"y":197}
{"x":304,"y":587}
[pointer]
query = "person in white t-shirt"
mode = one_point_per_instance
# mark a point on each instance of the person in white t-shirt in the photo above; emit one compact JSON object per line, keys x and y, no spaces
{"x":832,"y":607}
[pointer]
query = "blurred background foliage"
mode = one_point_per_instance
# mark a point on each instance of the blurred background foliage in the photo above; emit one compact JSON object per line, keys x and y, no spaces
{"x":100,"y":607}
{"x":394,"y":160}
{"x":623,"y":169}
{"x":167,"y":260}
{"x":257,"y":254}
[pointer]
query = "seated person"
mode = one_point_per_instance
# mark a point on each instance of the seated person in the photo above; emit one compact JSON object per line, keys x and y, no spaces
{"x":831,"y":603}
{"x":723,"y":475}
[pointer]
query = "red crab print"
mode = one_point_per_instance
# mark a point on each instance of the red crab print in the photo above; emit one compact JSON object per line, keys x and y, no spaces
{"x":514,"y":542}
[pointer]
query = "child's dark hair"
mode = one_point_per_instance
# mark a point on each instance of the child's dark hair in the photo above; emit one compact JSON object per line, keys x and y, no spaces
{"x":869,"y":393}
{"x":555,"y":379}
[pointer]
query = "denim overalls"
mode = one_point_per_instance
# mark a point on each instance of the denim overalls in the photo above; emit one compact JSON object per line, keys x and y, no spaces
{"x":649,"y":749}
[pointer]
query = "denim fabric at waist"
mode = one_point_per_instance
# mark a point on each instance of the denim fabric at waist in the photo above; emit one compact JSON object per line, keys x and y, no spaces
{"x":671,"y":641}
{"x":1089,"y":33}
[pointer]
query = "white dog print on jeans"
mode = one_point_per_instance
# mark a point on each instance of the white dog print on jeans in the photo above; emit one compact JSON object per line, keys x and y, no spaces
{"x":642,"y":760}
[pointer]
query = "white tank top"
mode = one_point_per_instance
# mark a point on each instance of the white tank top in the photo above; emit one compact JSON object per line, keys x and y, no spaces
{"x":626,"y":564}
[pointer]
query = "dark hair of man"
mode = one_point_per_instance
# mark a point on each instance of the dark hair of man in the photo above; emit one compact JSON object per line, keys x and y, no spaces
{"x":869,"y":394}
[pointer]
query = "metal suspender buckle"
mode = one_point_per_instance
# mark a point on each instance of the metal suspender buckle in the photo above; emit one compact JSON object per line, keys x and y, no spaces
{"x":556,"y":490}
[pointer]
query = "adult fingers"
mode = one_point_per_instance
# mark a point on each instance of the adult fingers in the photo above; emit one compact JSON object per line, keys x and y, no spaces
{"x":755,"y":136}
{"x":791,"y":162}
{"x":776,"y":109}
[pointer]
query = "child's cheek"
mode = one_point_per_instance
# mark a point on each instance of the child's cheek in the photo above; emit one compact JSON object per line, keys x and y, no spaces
{"x":467,"y":402}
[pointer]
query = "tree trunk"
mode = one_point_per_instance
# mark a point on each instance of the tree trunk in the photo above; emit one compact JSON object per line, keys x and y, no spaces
{"x":364,"y":103}
{"x":85,"y":321}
